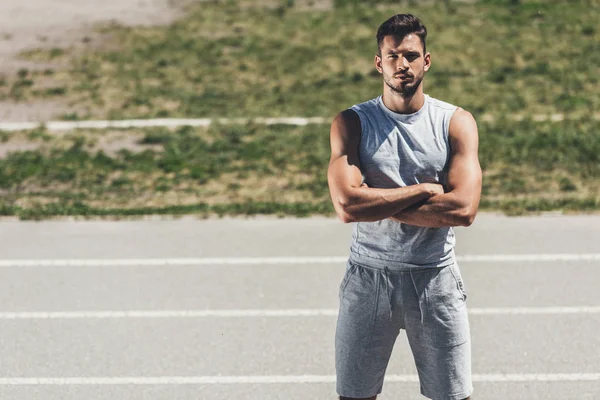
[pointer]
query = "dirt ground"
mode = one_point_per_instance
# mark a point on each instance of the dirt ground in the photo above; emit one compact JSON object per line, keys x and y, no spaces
{"x":33,"y":24}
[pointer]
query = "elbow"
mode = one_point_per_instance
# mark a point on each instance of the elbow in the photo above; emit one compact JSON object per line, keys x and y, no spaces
{"x":342,"y":208}
{"x":346,"y":218}
{"x":468,"y":221}
{"x":467,"y":216}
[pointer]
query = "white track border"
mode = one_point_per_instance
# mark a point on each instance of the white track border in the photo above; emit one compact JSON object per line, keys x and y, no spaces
{"x":273,"y":379}
{"x":204,"y":122}
{"x":148,"y":123}
{"x":266,"y":313}
{"x":211,"y":261}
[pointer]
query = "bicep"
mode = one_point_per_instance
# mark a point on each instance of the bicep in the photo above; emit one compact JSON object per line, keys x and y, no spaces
{"x":344,"y":165}
{"x":464,"y":175}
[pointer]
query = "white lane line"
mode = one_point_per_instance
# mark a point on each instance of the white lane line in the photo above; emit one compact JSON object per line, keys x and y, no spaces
{"x":167,"y":314}
{"x":534,"y":310}
{"x":326,"y":312}
{"x":177,"y":122}
{"x":529,"y":257}
{"x":536,"y":377}
{"x":160,"y":122}
{"x":171,"y":261}
{"x":509,"y":258}
{"x":270,"y":379}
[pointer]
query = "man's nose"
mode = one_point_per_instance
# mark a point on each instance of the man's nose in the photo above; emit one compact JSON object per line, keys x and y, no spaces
{"x":403,"y":64}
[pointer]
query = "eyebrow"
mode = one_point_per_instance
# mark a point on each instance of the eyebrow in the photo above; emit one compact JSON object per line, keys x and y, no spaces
{"x":408,"y":53}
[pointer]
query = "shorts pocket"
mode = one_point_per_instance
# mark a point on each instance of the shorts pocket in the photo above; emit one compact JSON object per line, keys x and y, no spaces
{"x":448,"y":317}
{"x":350,"y":269}
{"x":459,"y":281}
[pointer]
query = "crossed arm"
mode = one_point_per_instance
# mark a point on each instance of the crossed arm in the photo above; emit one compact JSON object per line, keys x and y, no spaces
{"x":352,"y":200}
{"x":423,"y":204}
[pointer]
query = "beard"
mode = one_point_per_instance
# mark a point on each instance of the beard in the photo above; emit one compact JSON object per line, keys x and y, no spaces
{"x":404,"y":88}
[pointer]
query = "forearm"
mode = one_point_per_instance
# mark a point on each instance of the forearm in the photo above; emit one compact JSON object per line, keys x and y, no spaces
{"x":443,"y":210}
{"x":374,"y":204}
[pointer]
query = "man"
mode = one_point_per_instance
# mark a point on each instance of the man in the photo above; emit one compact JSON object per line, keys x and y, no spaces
{"x":404,"y":167}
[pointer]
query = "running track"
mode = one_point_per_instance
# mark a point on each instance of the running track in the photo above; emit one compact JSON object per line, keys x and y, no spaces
{"x":245,"y":308}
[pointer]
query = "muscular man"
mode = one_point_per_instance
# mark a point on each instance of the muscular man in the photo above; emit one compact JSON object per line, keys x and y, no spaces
{"x":404,"y":167}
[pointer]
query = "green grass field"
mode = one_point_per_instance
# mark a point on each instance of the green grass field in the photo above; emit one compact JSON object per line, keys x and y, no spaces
{"x":251,"y":169}
{"x":500,"y":60}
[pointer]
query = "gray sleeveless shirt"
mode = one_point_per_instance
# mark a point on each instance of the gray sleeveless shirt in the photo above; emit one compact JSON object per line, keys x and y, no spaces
{"x":400,"y":150}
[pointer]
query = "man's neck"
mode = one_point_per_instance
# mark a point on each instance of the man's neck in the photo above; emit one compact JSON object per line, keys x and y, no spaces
{"x":403,"y":105}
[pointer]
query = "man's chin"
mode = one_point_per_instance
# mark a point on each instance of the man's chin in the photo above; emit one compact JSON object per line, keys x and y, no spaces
{"x":405,"y":90}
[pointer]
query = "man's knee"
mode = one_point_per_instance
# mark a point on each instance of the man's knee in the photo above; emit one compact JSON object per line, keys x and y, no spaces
{"x":352,"y":398}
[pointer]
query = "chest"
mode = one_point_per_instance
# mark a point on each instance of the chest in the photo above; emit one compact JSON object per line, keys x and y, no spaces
{"x":397,"y":155}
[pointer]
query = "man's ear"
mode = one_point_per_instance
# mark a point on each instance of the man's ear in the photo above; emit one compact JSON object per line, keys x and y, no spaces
{"x":378,"y":63}
{"x":427,"y":64}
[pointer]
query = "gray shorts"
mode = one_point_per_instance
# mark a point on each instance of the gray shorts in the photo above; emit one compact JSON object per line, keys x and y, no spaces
{"x":429,"y":304}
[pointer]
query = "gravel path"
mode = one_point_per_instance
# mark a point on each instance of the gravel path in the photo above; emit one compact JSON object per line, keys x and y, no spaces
{"x":56,"y":23}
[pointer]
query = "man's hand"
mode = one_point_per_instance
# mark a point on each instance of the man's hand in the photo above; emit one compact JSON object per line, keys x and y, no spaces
{"x":434,"y":188}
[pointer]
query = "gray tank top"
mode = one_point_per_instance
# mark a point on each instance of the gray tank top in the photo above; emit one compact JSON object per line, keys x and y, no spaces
{"x":399,"y":150}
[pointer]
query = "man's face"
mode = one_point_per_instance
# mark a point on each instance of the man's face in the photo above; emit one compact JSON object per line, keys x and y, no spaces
{"x":402,"y":63}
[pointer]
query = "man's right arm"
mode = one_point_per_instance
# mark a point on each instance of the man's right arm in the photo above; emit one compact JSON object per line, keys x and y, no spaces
{"x":353,"y":201}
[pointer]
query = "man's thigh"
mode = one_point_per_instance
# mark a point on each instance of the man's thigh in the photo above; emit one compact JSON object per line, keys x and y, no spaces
{"x":440,"y":338}
{"x":365,"y":333}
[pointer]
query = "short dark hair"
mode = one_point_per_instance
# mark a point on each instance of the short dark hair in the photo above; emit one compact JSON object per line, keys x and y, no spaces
{"x":401,"y":25}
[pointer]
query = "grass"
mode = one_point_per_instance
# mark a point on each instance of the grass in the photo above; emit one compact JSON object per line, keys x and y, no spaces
{"x":281,"y":170}
{"x":230,"y":60}
{"x":499,"y":59}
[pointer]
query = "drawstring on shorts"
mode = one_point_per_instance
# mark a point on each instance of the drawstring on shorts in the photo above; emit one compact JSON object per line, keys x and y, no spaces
{"x":387,"y":289}
{"x":419,"y":296}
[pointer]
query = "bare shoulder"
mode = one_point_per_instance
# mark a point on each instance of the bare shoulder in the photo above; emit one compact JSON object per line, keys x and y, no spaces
{"x":462,"y":119}
{"x":345,"y":133}
{"x":464,"y":138}
{"x":347,"y":120}
{"x":463,"y":127}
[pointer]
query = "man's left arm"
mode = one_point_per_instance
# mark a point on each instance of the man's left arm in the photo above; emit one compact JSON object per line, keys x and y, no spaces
{"x":458,"y":206}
